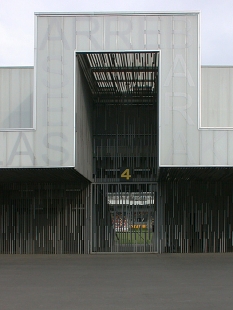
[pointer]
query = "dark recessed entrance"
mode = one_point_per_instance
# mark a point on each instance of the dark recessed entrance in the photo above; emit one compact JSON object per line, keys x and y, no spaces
{"x":124,"y":94}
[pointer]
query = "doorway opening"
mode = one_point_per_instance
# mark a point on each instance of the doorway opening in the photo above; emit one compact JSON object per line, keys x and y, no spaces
{"x":121,"y":90}
{"x":124,"y":218}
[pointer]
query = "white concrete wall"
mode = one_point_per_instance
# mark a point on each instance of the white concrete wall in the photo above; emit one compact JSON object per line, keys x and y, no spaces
{"x":176,"y":36}
{"x":83,"y":132}
{"x":216,"y":97}
{"x":16,"y":98}
{"x":53,"y":143}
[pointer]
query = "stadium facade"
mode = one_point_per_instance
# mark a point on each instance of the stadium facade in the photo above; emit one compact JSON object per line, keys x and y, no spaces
{"x":117,"y":140}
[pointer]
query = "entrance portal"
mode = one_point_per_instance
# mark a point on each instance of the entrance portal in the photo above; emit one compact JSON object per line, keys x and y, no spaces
{"x":124,"y":218}
{"x":121,"y":93}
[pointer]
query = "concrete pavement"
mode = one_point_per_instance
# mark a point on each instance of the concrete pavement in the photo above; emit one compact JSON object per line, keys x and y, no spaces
{"x":122,"y":281}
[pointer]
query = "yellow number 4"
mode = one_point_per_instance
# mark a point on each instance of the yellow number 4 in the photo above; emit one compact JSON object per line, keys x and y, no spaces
{"x":125,"y":174}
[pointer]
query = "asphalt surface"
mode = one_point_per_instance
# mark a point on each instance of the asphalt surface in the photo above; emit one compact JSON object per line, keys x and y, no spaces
{"x":135,"y":281}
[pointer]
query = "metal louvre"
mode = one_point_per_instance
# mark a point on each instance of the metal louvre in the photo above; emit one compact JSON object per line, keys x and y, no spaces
{"x":116,"y":74}
{"x":125,"y":136}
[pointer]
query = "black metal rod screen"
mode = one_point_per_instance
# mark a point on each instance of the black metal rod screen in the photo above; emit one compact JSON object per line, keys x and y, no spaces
{"x":44,"y":218}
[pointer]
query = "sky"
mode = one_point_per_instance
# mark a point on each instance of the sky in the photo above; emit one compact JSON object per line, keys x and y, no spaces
{"x":17,"y":24}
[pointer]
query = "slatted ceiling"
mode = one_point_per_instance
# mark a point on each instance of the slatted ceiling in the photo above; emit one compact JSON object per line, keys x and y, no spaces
{"x":119,"y":74}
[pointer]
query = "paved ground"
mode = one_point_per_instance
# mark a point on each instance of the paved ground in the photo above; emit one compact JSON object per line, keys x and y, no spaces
{"x":153,"y":281}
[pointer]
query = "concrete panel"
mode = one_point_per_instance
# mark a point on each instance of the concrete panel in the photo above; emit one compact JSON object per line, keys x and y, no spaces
{"x":207,"y":147}
{"x":83,"y":134}
{"x":82,"y":33}
{"x":179,"y":136}
{"x":138,"y":32}
{"x":54,"y":95}
{"x":176,"y":36}
{"x":220,"y":147}
{"x":152,"y":32}
{"x":16,"y":98}
{"x":217,"y":97}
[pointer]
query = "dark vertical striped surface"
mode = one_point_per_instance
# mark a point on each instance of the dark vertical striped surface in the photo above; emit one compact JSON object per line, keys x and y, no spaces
{"x":198,"y":216}
{"x":46,"y":218}
{"x":125,"y":135}
{"x":124,"y":218}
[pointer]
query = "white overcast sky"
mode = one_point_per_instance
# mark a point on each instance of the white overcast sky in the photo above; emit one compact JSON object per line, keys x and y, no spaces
{"x":17,"y":24}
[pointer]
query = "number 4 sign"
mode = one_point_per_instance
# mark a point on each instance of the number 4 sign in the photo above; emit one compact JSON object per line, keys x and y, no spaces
{"x":125,"y":174}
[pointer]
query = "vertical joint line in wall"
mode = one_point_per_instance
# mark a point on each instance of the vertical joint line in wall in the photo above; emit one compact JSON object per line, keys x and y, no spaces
{"x":90,"y":33}
{"x":186,"y":75}
{"x":130,"y":34}
{"x":103,"y":33}
{"x":117,"y":33}
{"x":145,"y":27}
{"x":173,"y":32}
{"x":159,"y":32}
